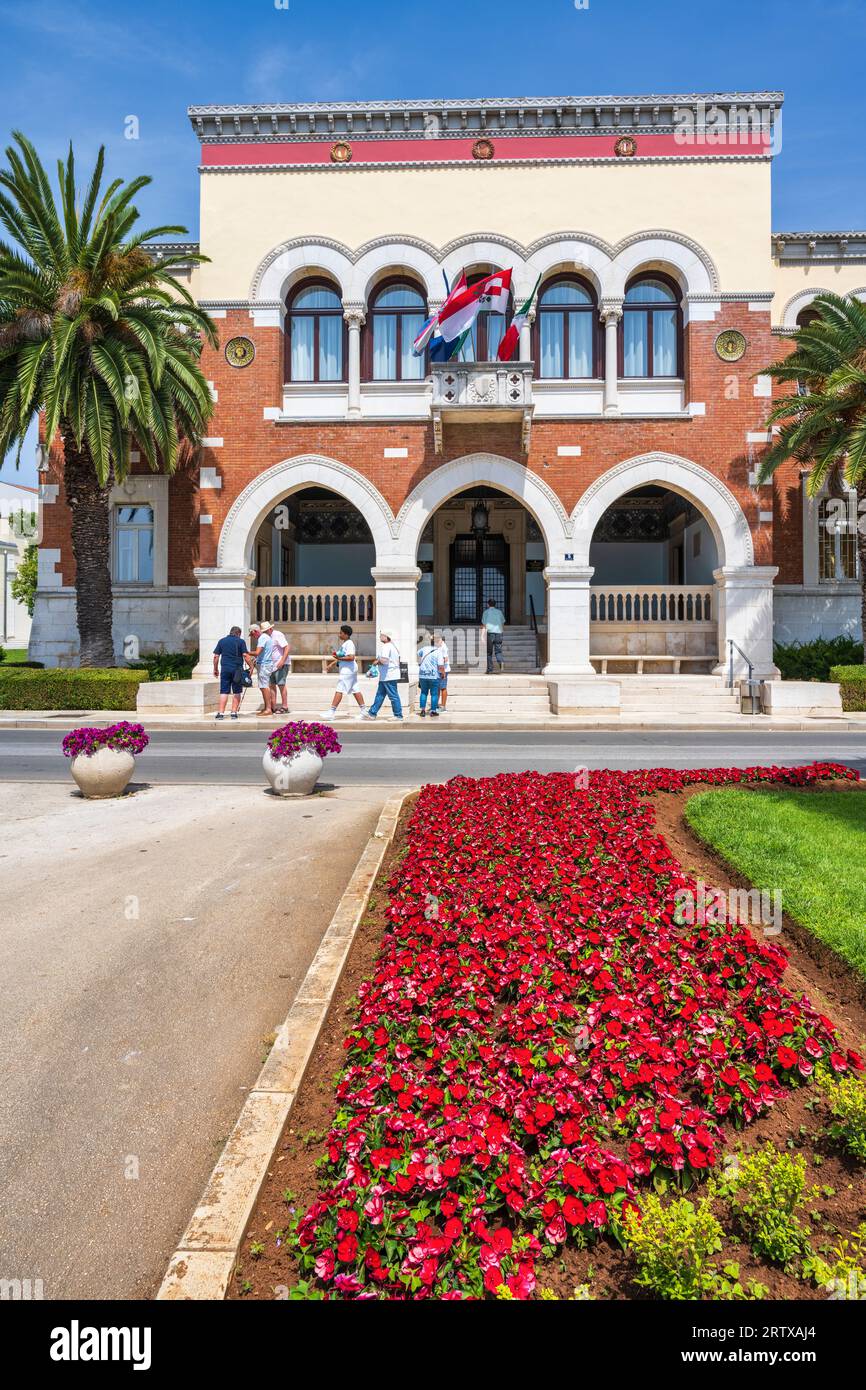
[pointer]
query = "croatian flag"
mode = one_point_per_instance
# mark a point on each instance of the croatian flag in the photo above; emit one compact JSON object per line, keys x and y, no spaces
{"x":465,"y":302}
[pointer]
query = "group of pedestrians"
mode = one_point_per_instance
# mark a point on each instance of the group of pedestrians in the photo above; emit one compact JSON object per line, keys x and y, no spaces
{"x":233,"y":661}
{"x":434,"y":666}
{"x":269,"y":654}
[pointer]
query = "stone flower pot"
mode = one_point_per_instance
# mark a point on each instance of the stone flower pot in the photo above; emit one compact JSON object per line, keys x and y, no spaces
{"x":103,"y":773}
{"x":294,"y":776}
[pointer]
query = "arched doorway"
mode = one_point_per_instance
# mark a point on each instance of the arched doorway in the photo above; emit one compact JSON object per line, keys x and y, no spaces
{"x":313,"y":554}
{"x":481,"y":546}
{"x":653,"y":591}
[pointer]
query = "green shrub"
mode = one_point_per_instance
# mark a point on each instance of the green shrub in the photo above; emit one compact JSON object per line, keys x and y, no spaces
{"x":843,"y":1272}
{"x":852,"y":685}
{"x":811,"y":661}
{"x":766,"y":1190}
{"x":167,"y":666}
{"x":674,"y":1245}
{"x":846,"y":1096}
{"x":84,"y":689}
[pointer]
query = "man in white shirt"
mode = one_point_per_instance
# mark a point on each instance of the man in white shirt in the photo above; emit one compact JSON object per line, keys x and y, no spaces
{"x":493,"y":625}
{"x":280,"y":670}
{"x":347,"y":681}
{"x":388,"y":661}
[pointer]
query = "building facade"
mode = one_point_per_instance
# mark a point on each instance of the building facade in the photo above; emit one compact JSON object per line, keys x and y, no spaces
{"x":601,"y":486}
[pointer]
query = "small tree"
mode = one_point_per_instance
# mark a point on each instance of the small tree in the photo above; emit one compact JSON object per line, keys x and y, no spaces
{"x":24,"y":578}
{"x":823,"y":423}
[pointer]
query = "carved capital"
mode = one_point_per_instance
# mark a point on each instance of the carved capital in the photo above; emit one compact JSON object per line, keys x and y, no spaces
{"x":354,"y":315}
{"x":611,"y":310}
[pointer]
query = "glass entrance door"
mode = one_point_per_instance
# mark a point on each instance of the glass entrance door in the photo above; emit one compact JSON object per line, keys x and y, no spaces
{"x":479,"y":571}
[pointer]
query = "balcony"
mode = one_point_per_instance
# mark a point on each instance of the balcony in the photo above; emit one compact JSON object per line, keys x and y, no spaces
{"x":473,"y":392}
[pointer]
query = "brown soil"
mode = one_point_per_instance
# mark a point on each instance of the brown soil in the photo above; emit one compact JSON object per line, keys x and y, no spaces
{"x":795,"y":1122}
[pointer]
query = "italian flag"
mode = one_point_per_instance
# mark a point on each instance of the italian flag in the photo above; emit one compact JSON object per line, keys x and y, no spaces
{"x":511,"y":337}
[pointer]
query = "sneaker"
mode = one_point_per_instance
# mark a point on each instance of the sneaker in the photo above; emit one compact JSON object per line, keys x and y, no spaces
{"x":234,"y":716}
{"x":219,"y":716}
{"x":423,"y":713}
{"x":329,"y":714}
{"x":365,"y":714}
{"x":434,"y":714}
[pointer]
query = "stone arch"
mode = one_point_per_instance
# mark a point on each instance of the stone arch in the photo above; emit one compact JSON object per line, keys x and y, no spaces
{"x":305,"y":470}
{"x":688,"y":262}
{"x":394,"y":258}
{"x":492,"y":470}
{"x":723,"y":512}
{"x":286,"y":265}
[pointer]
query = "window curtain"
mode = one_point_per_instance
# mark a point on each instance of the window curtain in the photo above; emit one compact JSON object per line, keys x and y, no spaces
{"x":384,"y":347}
{"x":580,"y":328}
{"x":330,"y":348}
{"x":411,"y":367}
{"x":634,"y":344}
{"x":302,"y":348}
{"x":664,"y":342}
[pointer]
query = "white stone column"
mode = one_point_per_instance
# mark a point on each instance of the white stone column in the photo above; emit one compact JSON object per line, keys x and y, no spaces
{"x":611,"y":313}
{"x":224,"y":601}
{"x":354,"y":316}
{"x":397,"y":609}
{"x":744,"y":599}
{"x":568,"y":620}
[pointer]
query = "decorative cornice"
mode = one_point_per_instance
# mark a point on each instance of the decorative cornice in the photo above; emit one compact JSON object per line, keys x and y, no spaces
{"x":819,"y":246}
{"x":430,"y":119}
{"x":549,"y":162}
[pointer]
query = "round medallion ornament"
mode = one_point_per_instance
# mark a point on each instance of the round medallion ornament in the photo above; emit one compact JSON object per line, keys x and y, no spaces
{"x":240,"y":352}
{"x":483,"y":149}
{"x":730,"y":345}
{"x":341,"y":152}
{"x":625,"y":147}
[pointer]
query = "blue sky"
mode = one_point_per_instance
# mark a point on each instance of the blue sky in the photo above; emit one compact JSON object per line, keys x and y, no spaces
{"x":78,"y":70}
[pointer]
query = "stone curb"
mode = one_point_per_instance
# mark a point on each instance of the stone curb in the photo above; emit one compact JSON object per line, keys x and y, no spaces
{"x":201,"y":1266}
{"x":61,"y":722}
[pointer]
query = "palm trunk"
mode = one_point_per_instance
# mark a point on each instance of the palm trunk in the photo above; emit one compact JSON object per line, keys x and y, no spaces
{"x":88,"y":503}
{"x":861,"y":553}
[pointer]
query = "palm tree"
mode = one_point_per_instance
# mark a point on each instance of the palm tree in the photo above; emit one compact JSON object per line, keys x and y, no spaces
{"x":823,"y":424}
{"x":102,"y":340}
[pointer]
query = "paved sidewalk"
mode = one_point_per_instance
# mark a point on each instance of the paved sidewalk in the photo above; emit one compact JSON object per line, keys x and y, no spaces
{"x":61,"y":720}
{"x":147,"y":947}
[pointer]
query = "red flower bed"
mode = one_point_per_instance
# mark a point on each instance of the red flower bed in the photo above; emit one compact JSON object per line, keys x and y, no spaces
{"x":540,"y":1037}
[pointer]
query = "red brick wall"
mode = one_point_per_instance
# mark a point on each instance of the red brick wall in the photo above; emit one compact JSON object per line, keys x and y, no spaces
{"x":717,"y":441}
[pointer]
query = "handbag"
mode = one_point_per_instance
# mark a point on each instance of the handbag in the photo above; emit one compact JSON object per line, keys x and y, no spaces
{"x":404,"y":673}
{"x":246,"y":679}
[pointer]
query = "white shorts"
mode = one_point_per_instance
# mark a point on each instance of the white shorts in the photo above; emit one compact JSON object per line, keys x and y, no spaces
{"x":347,"y":682}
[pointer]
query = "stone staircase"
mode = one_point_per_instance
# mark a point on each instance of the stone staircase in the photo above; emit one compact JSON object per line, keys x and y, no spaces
{"x":677,"y":697}
{"x":519,"y":650}
{"x":506,"y":696}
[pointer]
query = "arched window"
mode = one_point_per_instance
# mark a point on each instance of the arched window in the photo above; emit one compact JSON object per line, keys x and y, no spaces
{"x":315,"y":332}
{"x":567,"y":331}
{"x":488,"y":330}
{"x":808,"y":316}
{"x":397,"y":312}
{"x":651,"y":334}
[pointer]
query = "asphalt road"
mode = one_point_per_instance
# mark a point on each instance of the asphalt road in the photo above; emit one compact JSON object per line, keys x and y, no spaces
{"x":413,"y":756}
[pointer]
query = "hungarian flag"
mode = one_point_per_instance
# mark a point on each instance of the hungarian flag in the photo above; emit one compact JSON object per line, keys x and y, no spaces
{"x":511,"y":337}
{"x":465,"y":302}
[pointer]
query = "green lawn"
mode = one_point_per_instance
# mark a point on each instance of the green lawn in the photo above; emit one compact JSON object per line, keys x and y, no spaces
{"x":810,"y":845}
{"x":13,"y":656}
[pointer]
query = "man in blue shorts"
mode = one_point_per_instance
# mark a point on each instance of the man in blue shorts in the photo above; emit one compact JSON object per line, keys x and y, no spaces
{"x":229,"y":653}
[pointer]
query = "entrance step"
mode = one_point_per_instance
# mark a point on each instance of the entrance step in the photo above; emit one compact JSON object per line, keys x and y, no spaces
{"x":677,"y":696}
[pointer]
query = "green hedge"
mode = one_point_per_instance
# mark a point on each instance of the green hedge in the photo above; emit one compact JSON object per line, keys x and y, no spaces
{"x":852,"y":686}
{"x":83,"y":689}
{"x":167,"y":666}
{"x":811,"y":661}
